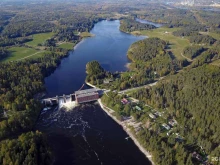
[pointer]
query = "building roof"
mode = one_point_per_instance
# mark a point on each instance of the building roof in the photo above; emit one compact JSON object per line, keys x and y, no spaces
{"x":86,"y":91}
{"x":87,"y":94}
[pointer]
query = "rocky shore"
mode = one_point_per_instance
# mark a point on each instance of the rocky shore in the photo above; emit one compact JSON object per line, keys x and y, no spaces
{"x":127,"y":130}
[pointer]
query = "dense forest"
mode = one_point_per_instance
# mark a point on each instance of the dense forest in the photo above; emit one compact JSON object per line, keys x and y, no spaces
{"x":129,"y":25}
{"x":190,"y":96}
{"x":202,"y":39}
{"x":150,"y":54}
{"x":29,"y":148}
{"x":3,"y":53}
{"x":193,"y":51}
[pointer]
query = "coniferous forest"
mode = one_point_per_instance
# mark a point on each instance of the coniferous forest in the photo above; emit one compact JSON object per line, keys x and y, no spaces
{"x":189,"y":91}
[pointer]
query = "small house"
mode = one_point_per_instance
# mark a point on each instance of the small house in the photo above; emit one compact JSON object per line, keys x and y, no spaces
{"x":152,"y":116}
{"x":138,"y":108}
{"x":124,"y":101}
{"x":167,"y":127}
{"x":172,"y":122}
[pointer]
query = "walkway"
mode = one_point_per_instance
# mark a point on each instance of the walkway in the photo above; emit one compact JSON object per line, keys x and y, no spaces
{"x":30,"y":55}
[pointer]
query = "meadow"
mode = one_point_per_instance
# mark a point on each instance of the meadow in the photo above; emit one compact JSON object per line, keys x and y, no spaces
{"x":40,"y":39}
{"x":177,"y":44}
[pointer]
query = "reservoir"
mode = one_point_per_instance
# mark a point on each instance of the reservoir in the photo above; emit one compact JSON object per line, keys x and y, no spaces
{"x":109,"y":47}
{"x":86,"y":135}
{"x":148,"y":22}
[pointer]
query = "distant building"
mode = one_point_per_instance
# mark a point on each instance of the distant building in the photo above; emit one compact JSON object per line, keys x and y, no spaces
{"x":152,"y":116}
{"x":138,"y":108}
{"x":172,"y":122}
{"x":167,"y":127}
{"x":124,"y":101}
{"x":107,"y":81}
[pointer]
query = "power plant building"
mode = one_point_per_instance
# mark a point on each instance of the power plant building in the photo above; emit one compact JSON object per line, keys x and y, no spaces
{"x":88,"y":95}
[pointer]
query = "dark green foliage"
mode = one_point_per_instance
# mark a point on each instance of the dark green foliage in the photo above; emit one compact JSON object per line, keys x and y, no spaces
{"x":172,"y":18}
{"x":193,"y":51}
{"x":190,"y":30}
{"x":150,"y":54}
{"x":29,"y":148}
{"x":17,"y":90}
{"x":94,"y":68}
{"x":193,"y":98}
{"x":3,"y":53}
{"x":18,"y":28}
{"x":202,"y":39}
{"x":95,"y":73}
{"x":5,"y":41}
{"x":129,"y":25}
{"x":207,"y":56}
{"x":147,"y":49}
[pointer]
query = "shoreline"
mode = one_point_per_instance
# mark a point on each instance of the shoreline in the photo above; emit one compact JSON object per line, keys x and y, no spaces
{"x":141,"y":148}
{"x":87,"y":83}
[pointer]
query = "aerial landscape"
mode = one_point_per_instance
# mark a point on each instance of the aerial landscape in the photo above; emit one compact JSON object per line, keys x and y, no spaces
{"x":109,"y":82}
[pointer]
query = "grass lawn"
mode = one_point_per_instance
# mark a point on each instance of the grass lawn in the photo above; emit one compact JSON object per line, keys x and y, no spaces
{"x":177,"y":43}
{"x":67,"y":45}
{"x":40,"y":38}
{"x":214,"y":35}
{"x":216,"y":63}
{"x":86,"y":34}
{"x":19,"y":53}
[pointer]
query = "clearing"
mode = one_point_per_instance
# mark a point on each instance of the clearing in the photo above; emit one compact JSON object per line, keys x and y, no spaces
{"x":66,"y":45}
{"x":86,"y":34}
{"x":39,"y":38}
{"x":19,"y":53}
{"x":177,"y":44}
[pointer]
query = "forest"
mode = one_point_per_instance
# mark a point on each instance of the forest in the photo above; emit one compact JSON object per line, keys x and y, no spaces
{"x":202,"y":39}
{"x":190,"y":95}
{"x":151,"y":55}
{"x":129,"y":25}
{"x":193,"y":51}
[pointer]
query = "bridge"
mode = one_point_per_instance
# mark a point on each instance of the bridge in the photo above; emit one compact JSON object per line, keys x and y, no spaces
{"x":81,"y":96}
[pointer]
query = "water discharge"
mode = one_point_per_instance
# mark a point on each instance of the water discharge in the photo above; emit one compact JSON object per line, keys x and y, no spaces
{"x":84,"y":134}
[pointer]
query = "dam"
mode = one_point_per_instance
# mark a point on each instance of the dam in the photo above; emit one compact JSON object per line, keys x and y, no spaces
{"x":81,"y":96}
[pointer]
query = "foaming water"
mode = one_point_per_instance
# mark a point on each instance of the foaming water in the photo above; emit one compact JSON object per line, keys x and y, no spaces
{"x":84,"y":134}
{"x":68,"y":104}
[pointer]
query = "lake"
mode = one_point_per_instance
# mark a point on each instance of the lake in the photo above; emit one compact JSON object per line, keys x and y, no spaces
{"x":86,"y":135}
{"x":109,"y":47}
{"x":148,"y":22}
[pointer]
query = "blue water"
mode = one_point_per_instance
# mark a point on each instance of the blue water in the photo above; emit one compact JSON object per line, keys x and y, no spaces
{"x":148,"y":22}
{"x":109,"y":46}
{"x":86,"y":135}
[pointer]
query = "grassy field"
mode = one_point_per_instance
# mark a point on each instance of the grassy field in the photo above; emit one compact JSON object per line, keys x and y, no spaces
{"x":86,"y":34}
{"x":67,"y":45}
{"x":40,"y":38}
{"x":20,"y":53}
{"x":214,"y":35}
{"x":177,"y":43}
{"x":216,"y":63}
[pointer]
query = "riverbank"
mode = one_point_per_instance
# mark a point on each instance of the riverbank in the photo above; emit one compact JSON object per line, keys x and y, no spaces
{"x":87,"y":83}
{"x":128,"y":131}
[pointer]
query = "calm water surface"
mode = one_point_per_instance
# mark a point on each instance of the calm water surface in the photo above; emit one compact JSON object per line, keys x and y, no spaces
{"x":85,"y":135}
{"x":109,"y":47}
{"x":148,"y":22}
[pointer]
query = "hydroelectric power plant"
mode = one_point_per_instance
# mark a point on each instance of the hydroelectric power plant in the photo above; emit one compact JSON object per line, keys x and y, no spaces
{"x":81,"y":96}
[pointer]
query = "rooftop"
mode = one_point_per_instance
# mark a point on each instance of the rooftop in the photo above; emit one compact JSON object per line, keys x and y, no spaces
{"x":87,"y":94}
{"x":92,"y":90}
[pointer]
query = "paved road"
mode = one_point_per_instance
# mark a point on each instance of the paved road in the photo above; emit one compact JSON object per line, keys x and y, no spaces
{"x":144,"y":86}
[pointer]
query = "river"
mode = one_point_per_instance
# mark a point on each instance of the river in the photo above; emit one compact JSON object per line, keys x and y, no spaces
{"x":148,"y":22}
{"x":85,"y":135}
